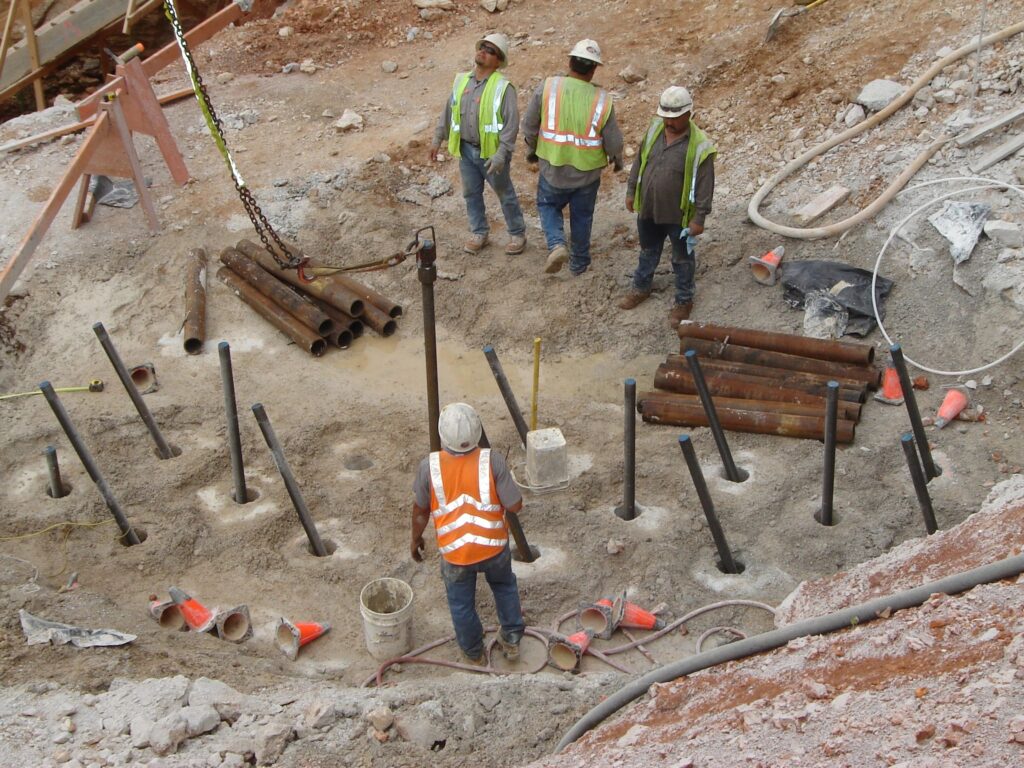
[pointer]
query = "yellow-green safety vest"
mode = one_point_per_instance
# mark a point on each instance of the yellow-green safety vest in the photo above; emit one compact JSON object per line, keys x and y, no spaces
{"x":572,"y":115}
{"x":699,"y":150}
{"x":490,"y":114}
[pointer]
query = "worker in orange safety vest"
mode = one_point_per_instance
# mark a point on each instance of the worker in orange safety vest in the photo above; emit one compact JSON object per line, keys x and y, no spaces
{"x":467,"y":491}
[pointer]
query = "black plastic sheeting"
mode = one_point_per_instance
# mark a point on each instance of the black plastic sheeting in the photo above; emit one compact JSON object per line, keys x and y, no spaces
{"x":848,"y":286}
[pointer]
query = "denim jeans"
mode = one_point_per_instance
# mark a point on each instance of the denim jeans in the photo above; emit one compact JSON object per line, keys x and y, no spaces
{"x":684,"y":258}
{"x":460,"y":586}
{"x":550,"y":203}
{"x":473,"y":177}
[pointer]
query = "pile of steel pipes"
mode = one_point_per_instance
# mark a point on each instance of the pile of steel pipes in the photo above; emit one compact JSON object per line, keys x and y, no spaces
{"x":769,"y":383}
{"x":329,"y":310}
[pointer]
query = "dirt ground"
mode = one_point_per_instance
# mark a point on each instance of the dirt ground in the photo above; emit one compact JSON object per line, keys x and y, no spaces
{"x":354,"y":422}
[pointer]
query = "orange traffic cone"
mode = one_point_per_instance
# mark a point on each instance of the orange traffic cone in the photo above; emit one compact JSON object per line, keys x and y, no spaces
{"x":891,"y":391}
{"x":765,"y":267}
{"x":635,"y":617}
{"x":166,"y":614}
{"x":602,"y":617}
{"x":565,"y":652}
{"x":954,"y":402}
{"x":198,"y":617}
{"x":235,"y":626}
{"x":293,"y":635}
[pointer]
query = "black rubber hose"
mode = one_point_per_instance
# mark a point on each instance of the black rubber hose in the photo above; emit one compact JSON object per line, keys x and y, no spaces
{"x":820,"y":625}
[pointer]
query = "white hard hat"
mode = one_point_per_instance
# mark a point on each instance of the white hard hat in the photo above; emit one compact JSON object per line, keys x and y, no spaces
{"x":587,"y":49}
{"x":500,"y":42}
{"x":459,"y":428}
{"x":675,"y":101}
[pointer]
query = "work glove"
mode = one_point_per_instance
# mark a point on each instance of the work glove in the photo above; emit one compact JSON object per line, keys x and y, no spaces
{"x":495,"y":165}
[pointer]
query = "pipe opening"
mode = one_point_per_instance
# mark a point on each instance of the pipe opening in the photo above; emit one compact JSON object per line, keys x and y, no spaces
{"x":175,"y":451}
{"x":620,"y":512}
{"x":171,"y":618}
{"x":594,"y":619}
{"x":356,"y":328}
{"x":140,"y":532}
{"x":318,"y":347}
{"x":251,"y":494}
{"x":343,"y":339}
{"x":193,"y":346}
{"x":144,"y":378}
{"x":740,"y":566}
{"x":743,"y":474}
{"x":563,"y":656}
{"x":358,"y":462}
{"x":389,"y":328}
{"x":518,"y":556}
{"x":235,"y":627}
{"x":65,"y":489}
{"x":330,"y":546}
{"x":325,"y":327}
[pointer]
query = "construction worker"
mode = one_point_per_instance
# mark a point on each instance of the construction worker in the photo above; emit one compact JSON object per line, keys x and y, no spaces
{"x":670,"y":188}
{"x":480,"y":121}
{"x":468,"y":491}
{"x":570,"y":128}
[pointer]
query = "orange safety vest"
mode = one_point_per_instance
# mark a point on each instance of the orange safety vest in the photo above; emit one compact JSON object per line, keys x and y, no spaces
{"x":464,"y":505}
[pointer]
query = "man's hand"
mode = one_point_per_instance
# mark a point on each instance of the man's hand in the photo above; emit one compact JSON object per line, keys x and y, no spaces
{"x":696,"y":229}
{"x":531,"y":158}
{"x":629,"y":204}
{"x":417,"y":549}
{"x":432,"y":154}
{"x":494,"y":165}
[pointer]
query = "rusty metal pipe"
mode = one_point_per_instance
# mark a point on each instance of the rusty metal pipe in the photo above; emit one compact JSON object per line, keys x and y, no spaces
{"x":855,"y":391}
{"x":286,"y":323}
{"x":732,"y":472}
{"x":741,"y":404}
{"x":758,"y":422}
{"x":378,"y":320}
{"x":628,"y":509}
{"x":369,"y":296}
{"x":227,"y":380}
{"x":195,"y":301}
{"x":726,"y":388}
{"x":713,"y":349}
{"x":334,"y":294}
{"x":426,"y":273}
{"x":342,"y":338}
{"x":835,"y":351}
{"x":288,"y":299}
{"x":341,"y":321}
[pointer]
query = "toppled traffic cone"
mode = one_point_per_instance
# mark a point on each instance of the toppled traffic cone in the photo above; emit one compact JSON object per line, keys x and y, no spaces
{"x":234,"y":625}
{"x":565,"y":652}
{"x":765,"y":267}
{"x":635,"y":617}
{"x":602,"y":618}
{"x":954,"y":402}
{"x":891,"y":391}
{"x":293,"y":635}
{"x":198,"y":617}
{"x":166,"y":614}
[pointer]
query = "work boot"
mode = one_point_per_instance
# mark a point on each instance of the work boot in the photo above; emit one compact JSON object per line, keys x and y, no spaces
{"x":475,"y":243}
{"x":679,"y":313}
{"x":509,"y":648}
{"x":558,"y":256}
{"x":633,"y":299}
{"x":476,"y":661}
{"x":516,"y":244}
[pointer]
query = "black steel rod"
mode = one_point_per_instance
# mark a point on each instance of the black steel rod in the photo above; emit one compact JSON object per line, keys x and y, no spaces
{"x":686,"y":445}
{"x":931,"y":469}
{"x":920,"y":484}
{"x":163,"y":448}
{"x":629,"y":447}
{"x":427,"y":274}
{"x":289,"y":480}
{"x":57,"y":488}
{"x":227,"y":380}
{"x":484,"y":442}
{"x":506,"y":392}
{"x":731,"y":472}
{"x":516,"y":529}
{"x":127,"y":532}
{"x":828,"y":475}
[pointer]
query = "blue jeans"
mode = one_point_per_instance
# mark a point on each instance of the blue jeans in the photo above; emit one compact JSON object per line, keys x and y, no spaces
{"x":460,"y":586}
{"x":473,"y":177}
{"x":684,"y":258}
{"x":550,"y":203}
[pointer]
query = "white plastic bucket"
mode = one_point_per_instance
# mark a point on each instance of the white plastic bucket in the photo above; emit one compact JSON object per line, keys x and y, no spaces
{"x":386,"y":605}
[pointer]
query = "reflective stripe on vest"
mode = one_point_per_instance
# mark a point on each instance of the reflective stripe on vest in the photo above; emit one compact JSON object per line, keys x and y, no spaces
{"x":470,"y":527}
{"x":489,"y":117}
{"x":697,"y":151}
{"x":573,"y":114}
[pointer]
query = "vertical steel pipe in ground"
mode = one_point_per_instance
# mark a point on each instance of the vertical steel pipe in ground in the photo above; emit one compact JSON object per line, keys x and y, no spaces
{"x":828,"y":474}
{"x":227,"y":380}
{"x":731,"y":471}
{"x":527,"y":554}
{"x":289,"y":481}
{"x":931,"y":469}
{"x":285,"y":322}
{"x":127,"y":532}
{"x":724,"y":553}
{"x":163,"y":448}
{"x":56,"y":489}
{"x":506,"y":392}
{"x":195,"y":301}
{"x":920,"y":484}
{"x":628,"y":509}
{"x":426,"y":273}
{"x":836,"y":351}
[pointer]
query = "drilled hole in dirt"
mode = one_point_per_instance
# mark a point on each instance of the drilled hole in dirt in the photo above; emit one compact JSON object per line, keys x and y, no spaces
{"x":740,"y":567}
{"x":620,"y":512}
{"x":175,"y":451}
{"x":65,"y":490}
{"x":139,"y":532}
{"x":358,"y":463}
{"x":742,"y":473}
{"x":251,"y":494}
{"x":517,"y":555}
{"x":330,"y":545}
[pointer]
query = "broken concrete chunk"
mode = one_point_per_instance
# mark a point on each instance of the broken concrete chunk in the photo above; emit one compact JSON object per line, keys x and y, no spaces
{"x":167,"y":734}
{"x":961,"y":224}
{"x":307,"y":66}
{"x":854,"y":115}
{"x":444,"y":5}
{"x":201,"y":719}
{"x":878,"y":94}
{"x":633,"y":73}
{"x":1005,"y":233}
{"x":389,"y":66}
{"x":349,"y":121}
{"x":820,"y":204}
{"x":380,"y":718}
{"x":494,"y":6}
{"x":945,"y":96}
{"x":285,"y":31}
{"x":272,"y":740}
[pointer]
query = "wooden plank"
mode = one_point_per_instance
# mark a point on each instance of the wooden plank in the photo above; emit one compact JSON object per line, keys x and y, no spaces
{"x":1003,"y":151}
{"x":132,"y":15}
{"x":974,"y":134}
{"x":33,"y":53}
{"x":144,"y":115}
{"x":5,"y":42}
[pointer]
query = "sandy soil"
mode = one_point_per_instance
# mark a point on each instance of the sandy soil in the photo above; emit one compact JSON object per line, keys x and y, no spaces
{"x":353,"y":423}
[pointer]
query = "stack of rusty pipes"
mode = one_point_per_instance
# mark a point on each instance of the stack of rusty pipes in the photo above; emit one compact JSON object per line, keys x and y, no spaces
{"x":328,"y":310}
{"x":763,"y":382}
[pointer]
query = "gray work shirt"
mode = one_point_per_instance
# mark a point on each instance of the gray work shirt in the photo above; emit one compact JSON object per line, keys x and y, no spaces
{"x":662,"y":186}
{"x":568,"y":176}
{"x":508,"y":491}
{"x":469,"y":118}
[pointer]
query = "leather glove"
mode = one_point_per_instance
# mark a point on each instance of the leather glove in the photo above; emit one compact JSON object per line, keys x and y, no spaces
{"x":495,"y":165}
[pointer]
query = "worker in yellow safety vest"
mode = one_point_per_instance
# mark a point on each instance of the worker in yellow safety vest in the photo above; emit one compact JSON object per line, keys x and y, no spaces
{"x":670,"y":188}
{"x":480,"y":122}
{"x":467,"y":491}
{"x":570,"y":129}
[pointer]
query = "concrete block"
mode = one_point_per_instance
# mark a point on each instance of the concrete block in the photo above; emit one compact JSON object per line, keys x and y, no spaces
{"x":1006,"y":233}
{"x":547,"y":459}
{"x":820,"y":204}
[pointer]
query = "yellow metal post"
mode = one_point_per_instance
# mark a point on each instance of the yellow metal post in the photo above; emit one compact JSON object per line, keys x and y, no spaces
{"x":536,"y":383}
